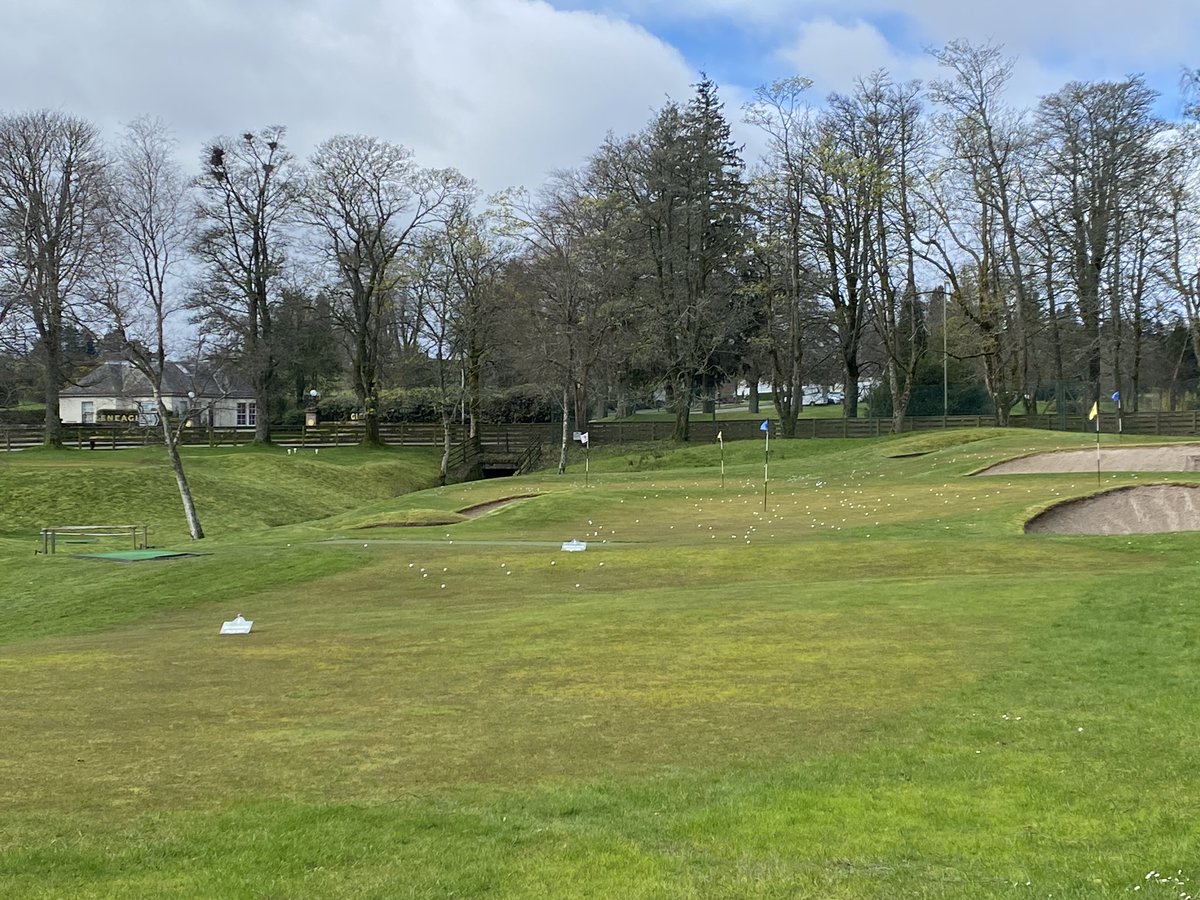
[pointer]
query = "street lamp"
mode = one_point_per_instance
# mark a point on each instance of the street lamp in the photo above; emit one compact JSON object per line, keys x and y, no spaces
{"x":310,"y":414}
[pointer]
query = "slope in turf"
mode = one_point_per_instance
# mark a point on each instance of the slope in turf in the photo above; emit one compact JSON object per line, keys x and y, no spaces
{"x":876,"y":686}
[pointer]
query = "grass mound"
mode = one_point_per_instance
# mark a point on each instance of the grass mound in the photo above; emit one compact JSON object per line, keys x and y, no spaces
{"x":234,"y":488}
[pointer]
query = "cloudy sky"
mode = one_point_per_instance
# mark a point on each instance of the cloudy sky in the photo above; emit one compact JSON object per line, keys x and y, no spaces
{"x":508,"y":90}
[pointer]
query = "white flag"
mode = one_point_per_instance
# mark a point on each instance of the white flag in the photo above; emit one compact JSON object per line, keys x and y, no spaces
{"x":583,"y":438}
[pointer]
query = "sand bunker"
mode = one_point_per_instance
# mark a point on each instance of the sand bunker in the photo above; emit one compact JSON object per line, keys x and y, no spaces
{"x":470,"y":512}
{"x":1142,"y":509}
{"x":1169,"y":458}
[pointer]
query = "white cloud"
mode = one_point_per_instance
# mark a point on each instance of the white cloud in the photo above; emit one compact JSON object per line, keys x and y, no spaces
{"x":835,"y":55}
{"x":505,"y":90}
{"x":1053,"y":41}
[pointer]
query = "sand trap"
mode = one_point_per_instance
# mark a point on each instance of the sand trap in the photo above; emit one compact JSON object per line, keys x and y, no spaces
{"x":470,"y":512}
{"x":474,"y":512}
{"x":1141,"y":509}
{"x":1169,"y":458}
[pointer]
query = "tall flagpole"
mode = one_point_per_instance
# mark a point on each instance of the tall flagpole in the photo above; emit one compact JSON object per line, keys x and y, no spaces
{"x":1095,"y":414}
{"x":766,"y":428}
{"x":721,"y":441}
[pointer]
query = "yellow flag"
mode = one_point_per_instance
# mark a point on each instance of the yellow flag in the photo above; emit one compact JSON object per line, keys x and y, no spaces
{"x":1095,"y":411}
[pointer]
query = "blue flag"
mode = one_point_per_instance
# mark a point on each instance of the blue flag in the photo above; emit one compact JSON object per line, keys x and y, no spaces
{"x":1116,"y":396}
{"x":765,"y":425}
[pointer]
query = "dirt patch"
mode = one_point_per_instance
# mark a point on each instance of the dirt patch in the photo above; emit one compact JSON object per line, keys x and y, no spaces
{"x":471,"y":512}
{"x":1141,"y":509}
{"x":424,"y":523}
{"x":1168,"y":458}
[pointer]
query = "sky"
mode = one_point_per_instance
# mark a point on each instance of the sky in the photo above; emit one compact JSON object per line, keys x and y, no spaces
{"x":507,"y":91}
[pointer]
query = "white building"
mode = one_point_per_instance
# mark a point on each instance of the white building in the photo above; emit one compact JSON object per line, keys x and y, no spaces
{"x":115,"y":392}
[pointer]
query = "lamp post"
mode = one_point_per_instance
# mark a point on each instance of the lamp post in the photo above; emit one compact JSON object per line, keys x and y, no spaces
{"x":310,"y":415}
{"x":187,"y":419}
{"x":945,"y":358}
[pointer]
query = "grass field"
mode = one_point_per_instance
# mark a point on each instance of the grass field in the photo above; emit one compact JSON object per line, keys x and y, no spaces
{"x":877,"y":686}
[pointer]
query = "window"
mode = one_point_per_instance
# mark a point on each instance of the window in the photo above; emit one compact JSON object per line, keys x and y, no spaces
{"x":87,"y":411}
{"x":247,"y":413}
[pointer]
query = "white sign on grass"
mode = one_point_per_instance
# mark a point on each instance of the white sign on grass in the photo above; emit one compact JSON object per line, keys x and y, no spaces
{"x":574,"y":546}
{"x":237,"y":625}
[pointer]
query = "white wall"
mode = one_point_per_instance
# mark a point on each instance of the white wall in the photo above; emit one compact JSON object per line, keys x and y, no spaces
{"x":70,"y":409}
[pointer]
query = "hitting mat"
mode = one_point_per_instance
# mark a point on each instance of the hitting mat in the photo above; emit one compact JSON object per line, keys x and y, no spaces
{"x":135,"y":555}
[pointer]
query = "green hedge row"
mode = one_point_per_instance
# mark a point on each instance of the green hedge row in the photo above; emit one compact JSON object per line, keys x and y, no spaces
{"x":516,"y":405}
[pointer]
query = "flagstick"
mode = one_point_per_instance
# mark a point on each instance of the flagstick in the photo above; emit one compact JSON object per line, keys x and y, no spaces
{"x":1097,"y":449}
{"x":587,"y":462}
{"x":722,"y":443}
{"x":766,"y":465}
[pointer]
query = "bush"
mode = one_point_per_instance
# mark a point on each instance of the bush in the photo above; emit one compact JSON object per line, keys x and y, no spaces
{"x":25,"y":415}
{"x":522,"y":404}
{"x":966,"y":394}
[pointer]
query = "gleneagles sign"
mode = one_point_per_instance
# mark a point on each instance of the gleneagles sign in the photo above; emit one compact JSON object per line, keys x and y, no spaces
{"x":125,"y":417}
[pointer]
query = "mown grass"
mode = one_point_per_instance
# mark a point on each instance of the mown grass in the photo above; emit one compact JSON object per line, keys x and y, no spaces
{"x":878,"y":686}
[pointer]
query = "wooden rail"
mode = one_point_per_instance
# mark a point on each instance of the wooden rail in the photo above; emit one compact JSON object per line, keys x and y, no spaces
{"x":49,"y":536}
{"x":516,"y":438}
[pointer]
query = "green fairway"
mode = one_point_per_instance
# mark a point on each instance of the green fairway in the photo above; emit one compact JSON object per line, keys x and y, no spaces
{"x":874,"y":684}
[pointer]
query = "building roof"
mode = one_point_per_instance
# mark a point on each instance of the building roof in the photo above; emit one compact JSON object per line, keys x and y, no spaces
{"x":119,"y":378}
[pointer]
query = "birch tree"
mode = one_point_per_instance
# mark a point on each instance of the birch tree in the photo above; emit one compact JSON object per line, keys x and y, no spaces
{"x":150,"y":234}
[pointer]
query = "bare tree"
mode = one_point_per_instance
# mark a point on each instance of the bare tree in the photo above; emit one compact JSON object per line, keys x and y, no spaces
{"x":478,"y":256}
{"x":248,"y":191}
{"x":368,"y":202}
{"x":150,"y":233}
{"x":573,"y":279}
{"x":1098,"y":150}
{"x":783,"y":241}
{"x":52,"y":219}
{"x":977,"y":198}
{"x":841,"y":220}
{"x":896,"y":150}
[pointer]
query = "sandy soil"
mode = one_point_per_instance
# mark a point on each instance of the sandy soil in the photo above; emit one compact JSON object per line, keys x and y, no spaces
{"x":1144,"y":509}
{"x":1141,"y":509}
{"x":1170,"y":458}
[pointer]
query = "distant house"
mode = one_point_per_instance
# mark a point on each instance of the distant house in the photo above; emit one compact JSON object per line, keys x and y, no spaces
{"x":116,"y":392}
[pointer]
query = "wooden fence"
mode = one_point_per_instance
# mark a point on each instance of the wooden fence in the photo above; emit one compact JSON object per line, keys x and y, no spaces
{"x":515,"y":439}
{"x":495,"y":438}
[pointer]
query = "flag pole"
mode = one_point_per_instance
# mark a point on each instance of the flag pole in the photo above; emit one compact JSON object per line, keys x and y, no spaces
{"x":721,"y":441}
{"x":766,"y":459}
{"x":1096,"y":414}
{"x":585,"y":439}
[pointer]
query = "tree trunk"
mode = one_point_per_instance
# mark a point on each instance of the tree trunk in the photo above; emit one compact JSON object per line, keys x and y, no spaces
{"x":53,"y":436}
{"x":262,"y":421}
{"x":683,"y":408}
{"x":445,"y":467}
{"x":185,"y":492}
{"x":370,"y":404}
{"x":566,"y":430}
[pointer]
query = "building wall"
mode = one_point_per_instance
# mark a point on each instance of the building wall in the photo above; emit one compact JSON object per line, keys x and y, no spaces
{"x":225,"y":410}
